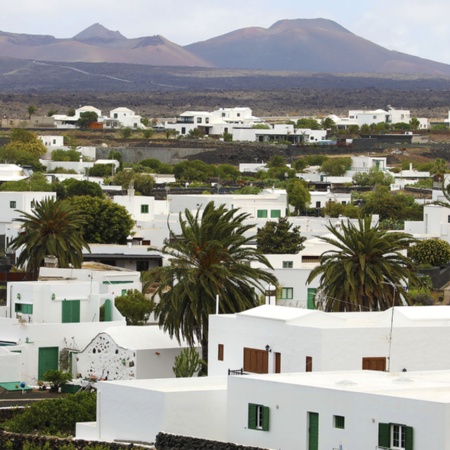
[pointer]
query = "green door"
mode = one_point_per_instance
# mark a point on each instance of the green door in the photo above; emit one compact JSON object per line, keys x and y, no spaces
{"x":70,"y":311}
{"x":313,"y":435}
{"x":311,"y":298}
{"x":48,"y":360}
{"x":108,"y":311}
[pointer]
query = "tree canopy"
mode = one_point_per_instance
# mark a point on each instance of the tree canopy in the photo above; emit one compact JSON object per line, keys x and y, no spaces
{"x":86,"y":118}
{"x":106,"y":222}
{"x":53,"y":228}
{"x":134,"y":306}
{"x":72,"y":187}
{"x":26,"y":141}
{"x":366,"y":269}
{"x":298,"y":194}
{"x":374,"y":177}
{"x":279,"y":237}
{"x":211,"y":257}
{"x":336,"y":167}
{"x":435,"y":252}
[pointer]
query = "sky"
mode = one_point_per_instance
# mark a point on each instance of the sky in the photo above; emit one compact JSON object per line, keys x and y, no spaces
{"x":410,"y":26}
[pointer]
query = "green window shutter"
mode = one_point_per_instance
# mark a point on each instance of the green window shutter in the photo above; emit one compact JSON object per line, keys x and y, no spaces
{"x":48,"y":359}
{"x":71,"y":311}
{"x":409,"y":438}
{"x":265,"y":425}
{"x":251,"y":416}
{"x":27,"y":309}
{"x":262,"y":213}
{"x":275,"y":213}
{"x":384,"y":435}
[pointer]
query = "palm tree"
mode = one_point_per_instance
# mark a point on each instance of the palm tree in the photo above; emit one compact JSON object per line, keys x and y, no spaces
{"x":210,"y":258}
{"x":367,"y":269}
{"x":53,"y":228}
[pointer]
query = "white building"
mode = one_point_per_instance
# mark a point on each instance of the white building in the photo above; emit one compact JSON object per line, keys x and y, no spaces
{"x":126,"y":117}
{"x":47,"y":321}
{"x":332,"y":410}
{"x":272,"y":339}
{"x":52,"y":141}
{"x":435,"y":223}
{"x":129,"y":353}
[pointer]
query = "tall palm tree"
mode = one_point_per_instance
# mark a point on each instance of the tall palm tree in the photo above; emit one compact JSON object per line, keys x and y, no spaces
{"x":53,"y":228}
{"x":210,"y":258}
{"x":367,"y":269}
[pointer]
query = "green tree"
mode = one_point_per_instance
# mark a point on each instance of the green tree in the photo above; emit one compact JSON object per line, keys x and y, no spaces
{"x":365,"y":269}
{"x":86,"y":118}
{"x":36,"y":183}
{"x":309,"y":124}
{"x":228,"y":172}
{"x":298,"y":194}
{"x":101,"y":170}
{"x":336,"y":167}
{"x":300,"y":164}
{"x":335,"y":210}
{"x":31,"y":110}
{"x":435,"y":252}
{"x":65,"y":155}
{"x":134,"y":306}
{"x":148,"y":133}
{"x":143,"y":183}
{"x":276,"y":161}
{"x":106,"y":222}
{"x":27,"y":141}
{"x":327,"y":123}
{"x":188,"y":363}
{"x":279,"y":237}
{"x":11,"y":154}
{"x":210,"y":257}
{"x":414,"y":123}
{"x":126,"y":132}
{"x":438,"y":169}
{"x":57,"y":378}
{"x":72,"y":187}
{"x":53,"y":228}
{"x":374,"y":177}
{"x":195,"y":133}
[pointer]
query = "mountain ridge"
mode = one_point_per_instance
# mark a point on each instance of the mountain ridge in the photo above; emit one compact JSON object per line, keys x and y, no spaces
{"x":298,"y":45}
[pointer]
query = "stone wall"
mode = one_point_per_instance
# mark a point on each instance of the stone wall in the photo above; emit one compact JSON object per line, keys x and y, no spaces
{"x":166,"y":441}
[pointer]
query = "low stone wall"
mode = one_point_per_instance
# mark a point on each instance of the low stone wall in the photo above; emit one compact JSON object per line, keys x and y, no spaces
{"x":166,"y":441}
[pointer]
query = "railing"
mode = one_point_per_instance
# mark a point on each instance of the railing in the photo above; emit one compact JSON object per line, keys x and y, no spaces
{"x":236,"y":372}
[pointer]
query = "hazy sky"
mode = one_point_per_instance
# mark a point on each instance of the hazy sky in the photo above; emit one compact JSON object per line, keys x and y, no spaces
{"x":410,"y":26}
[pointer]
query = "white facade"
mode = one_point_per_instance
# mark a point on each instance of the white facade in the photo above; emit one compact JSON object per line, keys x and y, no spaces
{"x":12,"y":172}
{"x":52,"y":141}
{"x":435,"y":223}
{"x":279,"y":133}
{"x":138,"y":410}
{"x":302,"y":338}
{"x":50,"y":319}
{"x":129,"y":353}
{"x":126,"y":118}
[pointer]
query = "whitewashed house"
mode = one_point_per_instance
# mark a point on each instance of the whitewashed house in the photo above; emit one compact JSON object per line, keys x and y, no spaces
{"x":129,"y":353}
{"x":329,"y":410}
{"x":126,"y":117}
{"x":52,"y":142}
{"x":435,"y":223}
{"x":47,"y":321}
{"x":70,"y":122}
{"x":273,"y":339}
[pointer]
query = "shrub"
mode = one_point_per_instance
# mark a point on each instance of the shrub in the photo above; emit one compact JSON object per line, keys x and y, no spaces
{"x":57,"y":378}
{"x":430,"y":251}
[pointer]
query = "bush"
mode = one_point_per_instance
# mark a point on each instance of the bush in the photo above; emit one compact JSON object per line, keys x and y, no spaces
{"x":57,"y":378}
{"x":55,"y":417}
{"x":430,"y":251}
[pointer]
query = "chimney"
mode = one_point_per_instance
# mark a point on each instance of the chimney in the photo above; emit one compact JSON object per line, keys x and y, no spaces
{"x":50,"y":261}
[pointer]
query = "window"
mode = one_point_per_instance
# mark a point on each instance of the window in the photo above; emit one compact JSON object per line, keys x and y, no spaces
{"x":308,"y":364}
{"x":287,"y":293}
{"x":142,"y":266}
{"x":258,"y":417}
{"x":199,"y":120}
{"x":310,"y":259}
{"x":207,"y":119}
{"x":448,"y":219}
{"x":12,"y":204}
{"x":220,"y":352}
{"x":262,"y":213}
{"x":317,"y":204}
{"x":339,"y":422}
{"x":275,"y":213}
{"x":144,"y":209}
{"x":395,"y":436}
{"x":288,"y":264}
{"x":24,"y":308}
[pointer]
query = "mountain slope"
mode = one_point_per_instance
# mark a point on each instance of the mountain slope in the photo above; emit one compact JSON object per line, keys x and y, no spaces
{"x":311,"y":45}
{"x":98,"y":44}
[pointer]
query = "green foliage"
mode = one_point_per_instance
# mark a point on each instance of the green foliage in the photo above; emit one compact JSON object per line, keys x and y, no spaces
{"x":187,"y":363}
{"x":300,"y":164}
{"x":65,"y":155}
{"x":86,"y":118}
{"x":54,"y":417}
{"x":227,"y":137}
{"x":72,"y":187}
{"x":306,"y":123}
{"x":195,"y":133}
{"x":148,"y":133}
{"x":126,"y":132}
{"x":276,"y":161}
{"x":316,"y":160}
{"x":414,"y":123}
{"x":401,"y":126}
{"x":336,"y":167}
{"x":279,"y":237}
{"x":52,"y":228}
{"x":106,"y":222}
{"x":391,"y":205}
{"x":26,"y":141}
{"x":194,"y":171}
{"x":391,"y":224}
{"x":261,"y":126}
{"x":424,"y":183}
{"x":10,"y":154}
{"x":374,"y":177}
{"x":210,"y":256}
{"x":248,"y":190}
{"x":31,"y":110}
{"x":143,"y":183}
{"x":335,"y":210}
{"x":134,"y":307}
{"x":366,"y":267}
{"x":435,"y":252}
{"x":327,"y":123}
{"x":36,"y":183}
{"x":101,"y":170}
{"x":57,"y":378}
{"x":298,"y":194}
{"x":228,"y":172}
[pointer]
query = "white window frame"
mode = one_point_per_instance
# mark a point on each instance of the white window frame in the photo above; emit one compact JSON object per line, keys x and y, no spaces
{"x":398,"y":437}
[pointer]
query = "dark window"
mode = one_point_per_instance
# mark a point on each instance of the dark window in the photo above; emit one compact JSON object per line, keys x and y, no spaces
{"x":339,"y":422}
{"x":220,"y":352}
{"x":12,"y":204}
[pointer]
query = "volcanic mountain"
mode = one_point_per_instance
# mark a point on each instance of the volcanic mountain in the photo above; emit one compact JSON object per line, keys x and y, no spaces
{"x":300,"y":45}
